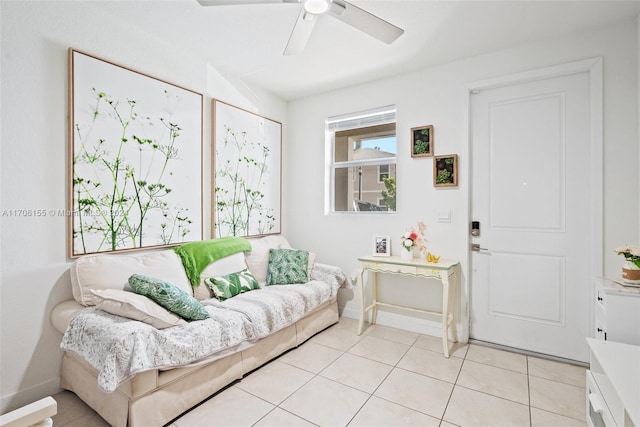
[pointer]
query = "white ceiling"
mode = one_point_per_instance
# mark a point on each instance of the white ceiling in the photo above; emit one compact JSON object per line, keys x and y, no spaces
{"x":247,"y":41}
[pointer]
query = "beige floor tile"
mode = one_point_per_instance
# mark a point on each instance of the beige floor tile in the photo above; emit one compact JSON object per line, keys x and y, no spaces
{"x":540,"y":418}
{"x":559,"y":398}
{"x":471,"y":408}
{"x":339,"y":338}
{"x":496,"y":381}
{"x":557,"y":371}
{"x":431,"y":364}
{"x":275,"y":381}
{"x":232,"y":407}
{"x":70,"y":408}
{"x":88,"y":421}
{"x":357,"y":372}
{"x":380,"y":412}
{"x":281,"y":418}
{"x":446,"y":424}
{"x":499,"y":358}
{"x":379,"y":349}
{"x":349,"y":323}
{"x":429,"y":342}
{"x":393,"y":334}
{"x":415,"y":391}
{"x":311,"y":357}
{"x":325,"y":402}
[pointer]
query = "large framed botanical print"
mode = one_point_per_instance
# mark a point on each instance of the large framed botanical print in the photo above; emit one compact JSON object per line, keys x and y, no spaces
{"x":246,"y":172}
{"x":135,"y":164}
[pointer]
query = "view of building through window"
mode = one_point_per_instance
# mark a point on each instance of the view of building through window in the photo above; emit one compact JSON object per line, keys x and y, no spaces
{"x":363,"y":163}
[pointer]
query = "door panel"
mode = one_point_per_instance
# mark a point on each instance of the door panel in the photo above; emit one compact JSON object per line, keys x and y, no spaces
{"x":530,"y":175}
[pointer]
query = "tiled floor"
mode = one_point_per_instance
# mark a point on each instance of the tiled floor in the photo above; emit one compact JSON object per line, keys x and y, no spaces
{"x":386,"y":377}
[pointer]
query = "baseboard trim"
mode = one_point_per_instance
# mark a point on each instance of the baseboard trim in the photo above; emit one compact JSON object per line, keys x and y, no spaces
{"x":28,"y":395}
{"x":407,"y":323}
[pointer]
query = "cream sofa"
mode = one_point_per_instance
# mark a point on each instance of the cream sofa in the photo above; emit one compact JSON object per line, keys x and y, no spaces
{"x":154,"y":397}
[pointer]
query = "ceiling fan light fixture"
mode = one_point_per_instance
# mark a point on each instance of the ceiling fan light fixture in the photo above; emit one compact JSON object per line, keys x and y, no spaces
{"x":316,"y":7}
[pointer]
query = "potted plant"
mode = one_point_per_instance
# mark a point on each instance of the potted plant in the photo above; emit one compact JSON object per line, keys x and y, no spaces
{"x":631,"y":267}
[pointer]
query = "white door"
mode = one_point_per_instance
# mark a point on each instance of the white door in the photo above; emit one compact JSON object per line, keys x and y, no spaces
{"x":530,"y":284}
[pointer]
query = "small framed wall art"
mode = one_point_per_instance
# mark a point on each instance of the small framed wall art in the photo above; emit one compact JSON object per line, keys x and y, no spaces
{"x":381,"y":246}
{"x":422,"y":141}
{"x":445,"y":171}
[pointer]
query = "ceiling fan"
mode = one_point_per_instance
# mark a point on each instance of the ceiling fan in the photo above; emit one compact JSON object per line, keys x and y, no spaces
{"x":342,"y":10}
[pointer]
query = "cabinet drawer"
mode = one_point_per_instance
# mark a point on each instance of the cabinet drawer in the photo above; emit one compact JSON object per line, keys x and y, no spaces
{"x":599,"y":323}
{"x":601,"y":299}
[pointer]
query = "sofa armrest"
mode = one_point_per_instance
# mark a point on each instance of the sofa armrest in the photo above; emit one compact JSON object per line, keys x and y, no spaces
{"x":325,"y":272}
{"x":62,"y":314}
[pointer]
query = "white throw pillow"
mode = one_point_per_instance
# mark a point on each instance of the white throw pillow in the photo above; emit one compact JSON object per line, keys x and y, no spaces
{"x":136,"y":307}
{"x":109,"y":271}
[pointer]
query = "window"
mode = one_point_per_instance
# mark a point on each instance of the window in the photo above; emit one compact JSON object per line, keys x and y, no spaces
{"x":362,"y":161}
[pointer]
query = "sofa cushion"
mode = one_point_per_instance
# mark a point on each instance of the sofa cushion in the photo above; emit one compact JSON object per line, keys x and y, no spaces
{"x":287,"y":266}
{"x":109,"y":271}
{"x":230,"y":285}
{"x":258,"y":258}
{"x":169,"y":296}
{"x":136,"y":307}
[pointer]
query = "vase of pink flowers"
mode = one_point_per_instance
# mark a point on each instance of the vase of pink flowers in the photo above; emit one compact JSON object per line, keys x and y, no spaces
{"x":413,"y":242}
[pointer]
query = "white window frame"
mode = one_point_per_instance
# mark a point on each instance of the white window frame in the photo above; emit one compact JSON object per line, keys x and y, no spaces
{"x":363,"y":119}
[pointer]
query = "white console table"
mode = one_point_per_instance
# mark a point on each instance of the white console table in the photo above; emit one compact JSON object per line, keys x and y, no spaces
{"x":444,"y":271}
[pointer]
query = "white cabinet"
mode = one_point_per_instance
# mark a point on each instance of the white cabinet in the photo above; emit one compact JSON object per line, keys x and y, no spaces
{"x":616,"y":312}
{"x":613,"y":385}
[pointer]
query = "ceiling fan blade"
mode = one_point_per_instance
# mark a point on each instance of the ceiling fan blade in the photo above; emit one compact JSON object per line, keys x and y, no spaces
{"x":235,"y":2}
{"x":301,"y":32}
{"x":364,"y":21}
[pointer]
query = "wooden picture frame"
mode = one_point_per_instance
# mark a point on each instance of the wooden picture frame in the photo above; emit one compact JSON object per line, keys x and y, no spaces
{"x":135,"y":159}
{"x":422,"y":141}
{"x":246,"y":173}
{"x":381,"y":246}
{"x":445,"y":170}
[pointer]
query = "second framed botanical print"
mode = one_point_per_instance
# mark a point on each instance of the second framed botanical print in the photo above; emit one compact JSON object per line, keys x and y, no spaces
{"x":246,"y":172}
{"x":445,"y":171}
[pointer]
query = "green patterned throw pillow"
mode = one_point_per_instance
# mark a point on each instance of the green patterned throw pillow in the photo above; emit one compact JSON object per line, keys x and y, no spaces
{"x":168,"y":296}
{"x":287,"y":266}
{"x":230,"y":285}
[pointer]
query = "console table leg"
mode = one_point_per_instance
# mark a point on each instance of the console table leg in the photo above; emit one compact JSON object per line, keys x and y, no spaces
{"x":445,"y":315}
{"x":374,"y":292}
{"x":361,"y":286}
{"x":452,"y":309}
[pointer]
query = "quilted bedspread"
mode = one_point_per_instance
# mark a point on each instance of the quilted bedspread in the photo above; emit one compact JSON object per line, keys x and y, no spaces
{"x":118,"y":348}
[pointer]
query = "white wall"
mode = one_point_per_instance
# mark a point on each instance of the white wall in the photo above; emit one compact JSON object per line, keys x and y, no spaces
{"x":436,"y":96}
{"x":35,"y":38}
{"x":34,"y":277}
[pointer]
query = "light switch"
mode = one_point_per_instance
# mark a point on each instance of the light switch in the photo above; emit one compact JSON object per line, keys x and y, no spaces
{"x":444,"y":216}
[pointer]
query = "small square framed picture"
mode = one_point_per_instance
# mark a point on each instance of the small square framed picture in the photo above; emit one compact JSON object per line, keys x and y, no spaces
{"x":445,"y":171}
{"x":381,"y":246}
{"x":422,"y":141}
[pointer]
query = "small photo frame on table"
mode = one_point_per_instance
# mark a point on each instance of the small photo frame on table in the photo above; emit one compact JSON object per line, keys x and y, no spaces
{"x":445,"y":171}
{"x":381,"y":246}
{"x":422,"y":141}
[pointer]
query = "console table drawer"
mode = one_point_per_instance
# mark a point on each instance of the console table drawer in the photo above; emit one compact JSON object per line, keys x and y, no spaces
{"x":389,"y":268}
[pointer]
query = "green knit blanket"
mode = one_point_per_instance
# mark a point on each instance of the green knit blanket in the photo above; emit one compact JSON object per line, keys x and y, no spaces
{"x":196,"y":256}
